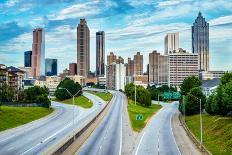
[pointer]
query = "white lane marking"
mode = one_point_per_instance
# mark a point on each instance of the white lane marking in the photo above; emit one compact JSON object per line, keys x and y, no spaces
{"x":139,"y":144}
{"x":173,"y":134}
{"x":158,"y":141}
{"x":120,"y":148}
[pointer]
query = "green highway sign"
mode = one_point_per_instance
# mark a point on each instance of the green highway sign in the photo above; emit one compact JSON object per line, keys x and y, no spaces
{"x":139,"y":117}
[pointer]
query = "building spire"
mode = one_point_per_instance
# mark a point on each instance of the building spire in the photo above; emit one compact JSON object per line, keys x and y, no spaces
{"x":199,"y":14}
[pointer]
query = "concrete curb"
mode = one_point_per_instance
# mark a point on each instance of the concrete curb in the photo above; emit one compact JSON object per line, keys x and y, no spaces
{"x":68,"y":141}
{"x":202,"y":148}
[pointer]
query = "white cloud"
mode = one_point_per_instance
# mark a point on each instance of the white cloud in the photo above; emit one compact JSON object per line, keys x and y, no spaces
{"x":221,"y":20}
{"x":78,"y":11}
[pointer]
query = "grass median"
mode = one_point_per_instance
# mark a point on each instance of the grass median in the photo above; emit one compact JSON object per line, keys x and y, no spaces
{"x":217,"y":132}
{"x":81,"y":101}
{"x":147,"y":113}
{"x":11,"y":117}
{"x":102,"y":95}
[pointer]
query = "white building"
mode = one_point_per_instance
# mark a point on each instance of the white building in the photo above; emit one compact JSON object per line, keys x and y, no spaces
{"x":171,"y":43}
{"x":120,"y":76}
{"x":181,"y":65}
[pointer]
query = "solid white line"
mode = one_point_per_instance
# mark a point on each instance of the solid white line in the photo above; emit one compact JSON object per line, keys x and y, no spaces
{"x":139,"y":144}
{"x":120,"y":149}
{"x":173,"y":135}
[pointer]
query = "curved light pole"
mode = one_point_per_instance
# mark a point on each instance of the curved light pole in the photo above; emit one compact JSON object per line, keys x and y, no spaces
{"x":73,"y":96}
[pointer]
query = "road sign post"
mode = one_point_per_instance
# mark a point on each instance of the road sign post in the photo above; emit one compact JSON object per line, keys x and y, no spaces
{"x":139,"y":117}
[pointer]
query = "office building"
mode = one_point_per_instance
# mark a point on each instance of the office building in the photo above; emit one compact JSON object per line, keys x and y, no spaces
{"x":100,"y":53}
{"x":130,"y":67}
{"x":27,"y":58}
{"x":83,"y":47}
{"x":51,"y":67}
{"x":111,"y":58}
{"x":27,"y":72}
{"x":158,"y":69}
{"x":200,"y":41}
{"x":181,"y":65}
{"x":138,"y":64}
{"x":171,"y":43}
{"x":209,"y":75}
{"x":73,"y":69}
{"x":116,"y":72}
{"x":38,"y":53}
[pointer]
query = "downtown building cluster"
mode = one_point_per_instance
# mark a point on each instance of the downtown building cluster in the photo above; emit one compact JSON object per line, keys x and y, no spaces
{"x":169,"y":68}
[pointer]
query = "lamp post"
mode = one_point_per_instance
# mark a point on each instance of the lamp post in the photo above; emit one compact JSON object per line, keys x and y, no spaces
{"x":73,"y":97}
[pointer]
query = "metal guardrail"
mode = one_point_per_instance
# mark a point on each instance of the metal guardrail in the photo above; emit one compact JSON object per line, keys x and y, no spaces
{"x":61,"y":149}
{"x":202,"y":148}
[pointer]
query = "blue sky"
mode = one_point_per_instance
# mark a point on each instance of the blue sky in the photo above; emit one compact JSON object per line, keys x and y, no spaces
{"x":130,"y":26}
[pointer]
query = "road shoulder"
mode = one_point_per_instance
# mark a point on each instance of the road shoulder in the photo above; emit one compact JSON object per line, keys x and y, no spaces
{"x":184,"y":143}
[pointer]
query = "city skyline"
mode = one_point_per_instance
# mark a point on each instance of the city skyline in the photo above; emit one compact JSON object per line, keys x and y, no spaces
{"x":135,"y":32}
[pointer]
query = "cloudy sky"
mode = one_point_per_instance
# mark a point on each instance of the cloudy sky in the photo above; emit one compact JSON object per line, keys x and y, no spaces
{"x":130,"y":26}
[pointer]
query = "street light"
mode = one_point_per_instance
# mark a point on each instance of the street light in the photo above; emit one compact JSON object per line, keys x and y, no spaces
{"x":73,"y":96}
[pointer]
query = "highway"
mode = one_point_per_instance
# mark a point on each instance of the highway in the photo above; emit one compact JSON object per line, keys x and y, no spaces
{"x":40,"y":136}
{"x":157,"y":137}
{"x":107,"y":137}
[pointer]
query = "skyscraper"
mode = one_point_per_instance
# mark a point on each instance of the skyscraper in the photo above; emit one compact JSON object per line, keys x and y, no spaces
{"x":200,"y":41}
{"x":27,"y":58}
{"x":83,"y":46}
{"x":51,"y":67}
{"x":130,"y":67}
{"x":38,"y":53}
{"x":111,"y":58}
{"x":138,"y":64}
{"x":171,"y":43}
{"x":100,"y":53}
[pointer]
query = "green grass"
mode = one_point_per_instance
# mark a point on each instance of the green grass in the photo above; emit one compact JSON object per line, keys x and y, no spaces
{"x":147,"y":113}
{"x":217,"y":132}
{"x":102,"y":95}
{"x":81,"y":101}
{"x":11,"y":117}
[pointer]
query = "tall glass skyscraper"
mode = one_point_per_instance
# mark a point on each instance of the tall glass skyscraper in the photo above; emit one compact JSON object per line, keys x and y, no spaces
{"x":100,"y":53}
{"x":27,"y":58}
{"x":200,"y":42}
{"x":51,"y":67}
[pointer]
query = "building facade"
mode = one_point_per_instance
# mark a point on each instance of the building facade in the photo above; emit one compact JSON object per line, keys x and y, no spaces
{"x":51,"y":67}
{"x":130,"y":67}
{"x":115,"y":72}
{"x":100,"y":53}
{"x":200,"y":41}
{"x":38,"y":53}
{"x":138,"y":64}
{"x":181,"y":65}
{"x":83,"y":47}
{"x":158,"y":69}
{"x":73,"y":69}
{"x":171,"y":43}
{"x":27,"y":58}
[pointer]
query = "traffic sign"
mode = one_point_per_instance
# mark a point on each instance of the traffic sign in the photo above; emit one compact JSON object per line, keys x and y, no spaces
{"x":139,"y":117}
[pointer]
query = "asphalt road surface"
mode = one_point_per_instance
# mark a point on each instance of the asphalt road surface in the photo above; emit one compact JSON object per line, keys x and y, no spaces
{"x":107,"y":137}
{"x":157,"y":138}
{"x":39,"y":136}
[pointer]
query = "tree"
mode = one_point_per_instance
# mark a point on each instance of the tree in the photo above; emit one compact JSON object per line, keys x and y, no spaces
{"x":208,"y":104}
{"x":69,"y":84}
{"x":192,"y":103}
{"x":130,"y":90}
{"x":143,"y":96}
{"x":189,"y":83}
{"x":226,"y":105}
{"x":227,"y":77}
{"x":7,"y":93}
